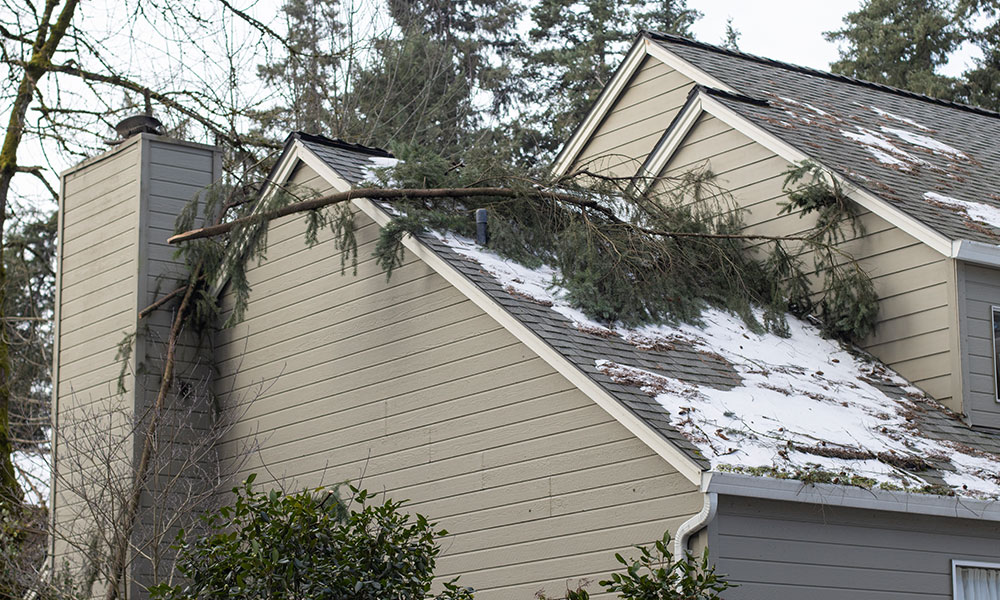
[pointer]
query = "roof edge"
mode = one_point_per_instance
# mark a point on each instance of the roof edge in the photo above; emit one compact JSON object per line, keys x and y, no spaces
{"x":338,"y":143}
{"x":676,"y":39}
{"x":829,"y":494}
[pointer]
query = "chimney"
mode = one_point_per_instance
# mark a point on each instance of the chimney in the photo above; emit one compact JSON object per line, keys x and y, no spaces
{"x":116,"y":212}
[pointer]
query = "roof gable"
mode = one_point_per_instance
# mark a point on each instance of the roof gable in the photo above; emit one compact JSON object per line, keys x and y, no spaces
{"x":904,"y":149}
{"x":928,"y":166}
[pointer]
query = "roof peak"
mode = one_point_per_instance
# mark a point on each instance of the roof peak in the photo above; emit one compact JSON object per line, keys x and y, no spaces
{"x":338,"y":143}
{"x":677,"y":39}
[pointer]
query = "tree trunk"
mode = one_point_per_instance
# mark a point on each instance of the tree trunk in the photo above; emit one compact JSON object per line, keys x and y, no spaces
{"x":46,"y":42}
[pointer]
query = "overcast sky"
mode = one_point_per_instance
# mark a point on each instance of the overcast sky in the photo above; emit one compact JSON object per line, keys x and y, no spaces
{"x":787,"y":30}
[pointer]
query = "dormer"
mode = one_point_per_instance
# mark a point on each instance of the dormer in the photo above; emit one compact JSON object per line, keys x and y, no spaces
{"x":923,"y":173}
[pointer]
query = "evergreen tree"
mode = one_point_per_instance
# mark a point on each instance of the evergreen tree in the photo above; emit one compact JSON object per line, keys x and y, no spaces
{"x":306,"y":75}
{"x":29,"y":258}
{"x":575,"y":47}
{"x":443,"y":77}
{"x":901,"y":43}
{"x":981,"y":85}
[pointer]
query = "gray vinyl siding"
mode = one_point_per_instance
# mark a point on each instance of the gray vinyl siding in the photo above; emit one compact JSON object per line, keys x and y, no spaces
{"x":776,"y":550}
{"x":913,"y":281}
{"x":116,"y":212}
{"x":978,"y":292}
{"x":173,"y":175}
{"x":405,"y":386}
{"x":636,"y":121}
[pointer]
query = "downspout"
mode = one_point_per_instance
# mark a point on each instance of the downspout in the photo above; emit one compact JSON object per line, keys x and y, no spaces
{"x":698,"y":521}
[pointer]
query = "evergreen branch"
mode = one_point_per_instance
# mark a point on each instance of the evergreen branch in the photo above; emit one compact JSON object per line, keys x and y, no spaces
{"x":414,"y":193}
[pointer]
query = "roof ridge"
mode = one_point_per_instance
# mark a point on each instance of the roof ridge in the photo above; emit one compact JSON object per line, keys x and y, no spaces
{"x":338,"y":143}
{"x":669,"y":37}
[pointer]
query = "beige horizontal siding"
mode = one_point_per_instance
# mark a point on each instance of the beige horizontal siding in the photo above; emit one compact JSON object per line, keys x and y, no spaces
{"x":911,"y":279}
{"x":637,"y":119}
{"x":408,"y":388}
{"x":96,"y":287}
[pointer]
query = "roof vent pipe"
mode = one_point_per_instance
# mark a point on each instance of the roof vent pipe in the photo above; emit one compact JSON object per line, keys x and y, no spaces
{"x":136,"y":124}
{"x":482,"y":230}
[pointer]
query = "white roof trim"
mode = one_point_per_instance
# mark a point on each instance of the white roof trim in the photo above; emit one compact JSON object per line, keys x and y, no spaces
{"x":663,"y":447}
{"x":665,"y":148}
{"x":979,"y":253}
{"x":829,"y":494}
{"x":609,"y":95}
{"x":684,"y":67}
{"x":706,"y":103}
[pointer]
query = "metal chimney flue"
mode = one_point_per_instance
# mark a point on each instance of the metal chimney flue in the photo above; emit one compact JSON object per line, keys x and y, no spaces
{"x":136,"y":124}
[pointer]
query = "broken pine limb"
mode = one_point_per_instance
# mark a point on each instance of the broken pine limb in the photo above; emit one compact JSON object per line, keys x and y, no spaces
{"x":390,"y":194}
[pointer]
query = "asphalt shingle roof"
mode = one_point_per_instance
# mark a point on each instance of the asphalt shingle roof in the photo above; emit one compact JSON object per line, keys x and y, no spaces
{"x":823,"y":115}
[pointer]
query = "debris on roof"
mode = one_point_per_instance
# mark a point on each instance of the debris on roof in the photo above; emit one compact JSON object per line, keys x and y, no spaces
{"x":801,"y":405}
{"x":976,"y":211}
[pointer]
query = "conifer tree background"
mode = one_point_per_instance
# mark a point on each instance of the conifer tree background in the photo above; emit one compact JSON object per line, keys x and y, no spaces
{"x":905,"y":44}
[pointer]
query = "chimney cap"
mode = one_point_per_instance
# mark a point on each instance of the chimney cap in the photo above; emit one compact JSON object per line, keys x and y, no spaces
{"x":137,"y":124}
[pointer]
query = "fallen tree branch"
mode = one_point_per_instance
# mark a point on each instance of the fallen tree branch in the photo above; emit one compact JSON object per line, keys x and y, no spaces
{"x":390,"y":194}
{"x":149,"y":309}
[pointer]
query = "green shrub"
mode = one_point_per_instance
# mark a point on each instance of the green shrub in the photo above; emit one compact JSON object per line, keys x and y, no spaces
{"x":310,"y":545}
{"x":657,"y":575}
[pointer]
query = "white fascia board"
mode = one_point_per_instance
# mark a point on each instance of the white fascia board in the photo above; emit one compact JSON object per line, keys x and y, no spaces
{"x":663,"y":447}
{"x":683,"y":67}
{"x":862,"y":196}
{"x":665,"y":148}
{"x":828,"y":494}
{"x":609,"y":95}
{"x":979,"y":253}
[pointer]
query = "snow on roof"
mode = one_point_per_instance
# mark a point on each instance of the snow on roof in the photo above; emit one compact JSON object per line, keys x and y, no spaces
{"x":804,"y":404}
{"x":976,"y":211}
{"x":882,"y":148}
{"x":892,"y":117}
{"x":378,"y":165}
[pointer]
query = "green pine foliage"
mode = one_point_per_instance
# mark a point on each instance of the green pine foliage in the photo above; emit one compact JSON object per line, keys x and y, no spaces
{"x":901,"y":43}
{"x":310,"y":544}
{"x":616,"y":271}
{"x":904,"y":43}
{"x":846,"y":304}
{"x":656,"y":574}
{"x":29,"y":259}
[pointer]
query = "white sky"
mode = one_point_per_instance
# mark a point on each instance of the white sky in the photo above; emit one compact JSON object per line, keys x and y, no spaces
{"x":787,"y":30}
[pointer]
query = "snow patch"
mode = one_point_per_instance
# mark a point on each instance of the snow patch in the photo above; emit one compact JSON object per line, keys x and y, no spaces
{"x":925,"y":142}
{"x":882,"y":148}
{"x":977,"y":211}
{"x":377,"y":165}
{"x":803,"y":403}
{"x":893,"y":117}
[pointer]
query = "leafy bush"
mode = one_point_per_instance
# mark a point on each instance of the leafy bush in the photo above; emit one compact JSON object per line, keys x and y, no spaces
{"x":310,"y":545}
{"x":657,"y":575}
